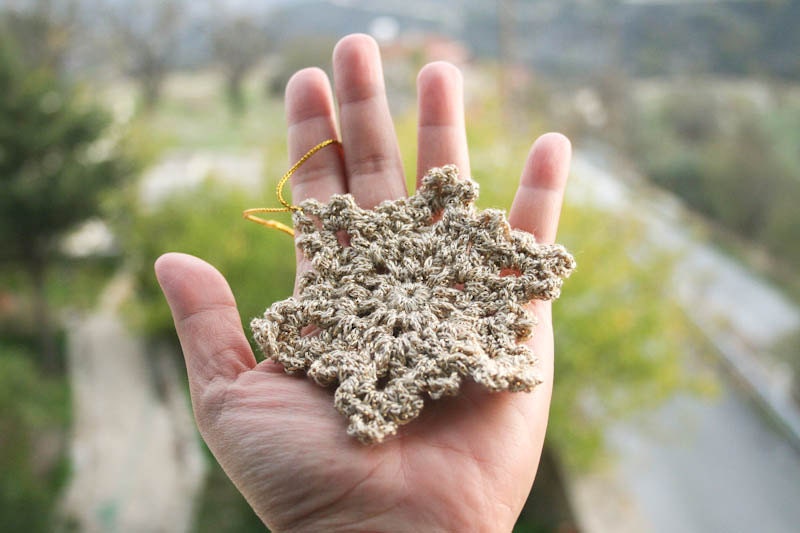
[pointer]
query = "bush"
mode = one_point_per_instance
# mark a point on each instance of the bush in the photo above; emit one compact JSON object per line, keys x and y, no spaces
{"x":34,"y":416}
{"x":729,"y":160}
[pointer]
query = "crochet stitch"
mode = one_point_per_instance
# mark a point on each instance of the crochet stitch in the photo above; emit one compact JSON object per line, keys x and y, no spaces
{"x":406,"y":300}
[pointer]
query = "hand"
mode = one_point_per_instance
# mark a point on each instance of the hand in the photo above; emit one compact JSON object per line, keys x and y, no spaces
{"x":469,"y":461}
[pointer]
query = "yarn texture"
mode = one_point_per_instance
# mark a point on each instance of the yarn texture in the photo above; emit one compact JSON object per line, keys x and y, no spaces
{"x":406,"y":300}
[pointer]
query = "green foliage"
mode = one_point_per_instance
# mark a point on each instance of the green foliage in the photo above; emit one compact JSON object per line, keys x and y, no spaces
{"x":43,"y":30}
{"x":34,"y":413}
{"x":621,"y":338}
{"x":299,"y":53}
{"x":207,"y":222}
{"x":238,"y":44}
{"x":729,"y":159}
{"x":726,"y":38}
{"x":221,"y":508}
{"x":55,"y":163}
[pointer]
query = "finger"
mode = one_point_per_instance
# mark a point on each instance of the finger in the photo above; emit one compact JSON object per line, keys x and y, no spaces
{"x":537,"y":205}
{"x":441,"y":137}
{"x":310,"y":119}
{"x":208,"y":325}
{"x":371,"y":154}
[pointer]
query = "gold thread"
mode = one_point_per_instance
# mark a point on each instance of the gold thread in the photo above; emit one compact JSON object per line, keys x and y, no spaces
{"x":249,"y":214}
{"x":274,"y":224}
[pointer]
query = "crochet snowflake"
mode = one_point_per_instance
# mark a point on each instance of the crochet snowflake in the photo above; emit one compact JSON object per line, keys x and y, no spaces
{"x":406,"y":300}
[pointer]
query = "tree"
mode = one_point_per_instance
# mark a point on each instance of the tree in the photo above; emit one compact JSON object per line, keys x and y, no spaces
{"x":296,"y":53}
{"x":55,"y":164}
{"x":45,"y":31}
{"x":206,"y":222}
{"x":238,"y":45}
{"x":146,"y":34}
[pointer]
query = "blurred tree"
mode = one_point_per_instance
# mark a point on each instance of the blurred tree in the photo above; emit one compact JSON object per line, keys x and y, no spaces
{"x":297,"y":53}
{"x":238,"y":45}
{"x":621,"y":337}
{"x":206,"y":222}
{"x":34,"y":415}
{"x":730,"y":158}
{"x":54,"y":166}
{"x":45,"y":31}
{"x":146,"y":35}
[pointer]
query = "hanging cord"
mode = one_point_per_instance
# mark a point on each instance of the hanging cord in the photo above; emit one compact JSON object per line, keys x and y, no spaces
{"x":249,"y":214}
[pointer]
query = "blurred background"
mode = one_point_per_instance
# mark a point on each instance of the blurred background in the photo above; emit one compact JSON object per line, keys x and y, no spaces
{"x":129,"y":128}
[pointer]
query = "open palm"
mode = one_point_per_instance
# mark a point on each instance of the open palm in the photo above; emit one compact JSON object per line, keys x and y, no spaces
{"x":469,"y":461}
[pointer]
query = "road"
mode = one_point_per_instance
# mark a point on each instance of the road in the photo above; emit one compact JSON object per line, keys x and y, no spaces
{"x":702,"y":464}
{"x":710,"y":466}
{"x":137,"y":462}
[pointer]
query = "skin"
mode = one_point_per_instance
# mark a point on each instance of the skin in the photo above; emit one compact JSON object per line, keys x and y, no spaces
{"x":468,"y":463}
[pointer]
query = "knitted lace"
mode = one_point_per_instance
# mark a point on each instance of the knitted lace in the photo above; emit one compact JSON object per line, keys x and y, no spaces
{"x":406,"y":300}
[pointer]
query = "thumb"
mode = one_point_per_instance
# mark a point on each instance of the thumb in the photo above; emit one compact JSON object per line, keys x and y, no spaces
{"x":214,"y":346}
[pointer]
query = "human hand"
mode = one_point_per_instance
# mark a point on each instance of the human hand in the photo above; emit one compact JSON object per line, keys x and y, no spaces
{"x":468,"y":462}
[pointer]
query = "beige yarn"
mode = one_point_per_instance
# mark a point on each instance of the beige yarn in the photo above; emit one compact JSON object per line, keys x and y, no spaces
{"x":425,"y":291}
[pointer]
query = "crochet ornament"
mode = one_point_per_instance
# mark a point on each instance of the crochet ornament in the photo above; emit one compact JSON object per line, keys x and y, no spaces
{"x":406,"y":300}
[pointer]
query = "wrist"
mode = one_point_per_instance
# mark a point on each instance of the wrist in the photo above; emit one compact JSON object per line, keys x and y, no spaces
{"x":401,"y":518}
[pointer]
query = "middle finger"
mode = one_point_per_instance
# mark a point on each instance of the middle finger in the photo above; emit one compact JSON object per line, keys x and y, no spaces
{"x":371,"y":153}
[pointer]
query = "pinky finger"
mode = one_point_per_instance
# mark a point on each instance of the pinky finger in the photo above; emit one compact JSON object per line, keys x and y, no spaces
{"x":537,"y":204}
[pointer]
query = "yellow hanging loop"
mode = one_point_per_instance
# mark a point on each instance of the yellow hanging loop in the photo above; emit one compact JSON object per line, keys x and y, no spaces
{"x":249,"y":214}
